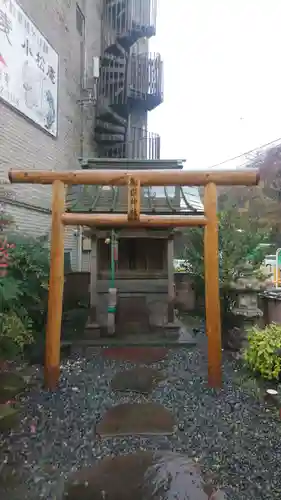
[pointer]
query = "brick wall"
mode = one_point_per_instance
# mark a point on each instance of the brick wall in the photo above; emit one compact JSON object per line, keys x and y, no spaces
{"x":22,"y":144}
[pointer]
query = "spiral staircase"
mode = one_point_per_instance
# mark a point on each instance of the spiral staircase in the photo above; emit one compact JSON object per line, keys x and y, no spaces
{"x":129,"y":81}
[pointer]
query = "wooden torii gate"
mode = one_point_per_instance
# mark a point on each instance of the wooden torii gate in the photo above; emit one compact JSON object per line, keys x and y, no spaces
{"x":134,"y":180}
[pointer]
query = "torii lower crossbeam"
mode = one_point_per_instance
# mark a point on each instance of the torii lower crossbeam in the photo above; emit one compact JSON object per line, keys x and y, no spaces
{"x":122,"y":220}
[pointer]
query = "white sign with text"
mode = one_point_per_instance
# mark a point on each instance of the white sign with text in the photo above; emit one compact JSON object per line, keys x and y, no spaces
{"x":28,"y":68}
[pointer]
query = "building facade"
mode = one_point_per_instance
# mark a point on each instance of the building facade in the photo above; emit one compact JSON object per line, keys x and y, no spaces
{"x":104,"y":82}
{"x":73,"y":31}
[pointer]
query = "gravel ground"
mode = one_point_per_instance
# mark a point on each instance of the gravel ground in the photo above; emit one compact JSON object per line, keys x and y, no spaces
{"x":230,"y":432}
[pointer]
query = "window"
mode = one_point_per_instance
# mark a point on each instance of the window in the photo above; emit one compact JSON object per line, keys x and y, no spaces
{"x":67,"y":261}
{"x":80,"y":21}
{"x":80,"y":25}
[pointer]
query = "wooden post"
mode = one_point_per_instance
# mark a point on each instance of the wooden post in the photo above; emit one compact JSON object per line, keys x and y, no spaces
{"x":171,"y":291}
{"x":212,"y":292}
{"x":52,"y":359}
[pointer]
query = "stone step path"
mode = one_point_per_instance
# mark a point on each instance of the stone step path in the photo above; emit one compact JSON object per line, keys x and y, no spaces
{"x":11,"y":386}
{"x":143,"y":475}
{"x":55,"y":453}
{"x":142,"y":379}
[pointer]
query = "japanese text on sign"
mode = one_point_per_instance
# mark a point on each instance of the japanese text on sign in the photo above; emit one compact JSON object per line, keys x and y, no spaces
{"x":28,"y":68}
{"x":133,"y":199}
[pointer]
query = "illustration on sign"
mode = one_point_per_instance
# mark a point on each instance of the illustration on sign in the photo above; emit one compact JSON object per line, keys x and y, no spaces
{"x":28,"y":68}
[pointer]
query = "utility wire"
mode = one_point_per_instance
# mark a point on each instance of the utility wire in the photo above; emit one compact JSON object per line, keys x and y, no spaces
{"x":255,"y":150}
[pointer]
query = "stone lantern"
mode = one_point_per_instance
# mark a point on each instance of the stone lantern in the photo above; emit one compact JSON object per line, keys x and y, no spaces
{"x":246,"y":288}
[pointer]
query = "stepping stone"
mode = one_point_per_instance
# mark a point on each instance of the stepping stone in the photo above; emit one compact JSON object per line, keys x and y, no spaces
{"x":9,"y":477}
{"x":11,"y":384}
{"x":128,"y":419}
{"x":8,"y":417}
{"x":142,"y":355}
{"x":140,"y":379}
{"x":141,"y":476}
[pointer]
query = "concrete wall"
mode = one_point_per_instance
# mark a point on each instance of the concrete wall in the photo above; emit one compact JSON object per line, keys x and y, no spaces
{"x":76,"y":288}
{"x":273,"y":311}
{"x":22,"y":143}
{"x":154,"y":292}
{"x":155,"y":312}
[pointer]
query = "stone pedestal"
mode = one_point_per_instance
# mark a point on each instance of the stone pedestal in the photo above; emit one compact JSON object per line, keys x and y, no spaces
{"x":245,"y":290}
{"x":92,"y":331}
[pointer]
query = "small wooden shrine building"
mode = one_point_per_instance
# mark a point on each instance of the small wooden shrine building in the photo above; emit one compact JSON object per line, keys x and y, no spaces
{"x":132,"y":272}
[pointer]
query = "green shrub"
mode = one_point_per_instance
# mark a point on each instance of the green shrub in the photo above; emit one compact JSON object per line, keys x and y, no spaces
{"x":239,"y":239}
{"x":23,"y":295}
{"x":262,"y":353}
{"x":29,"y":268}
{"x":16,"y":333}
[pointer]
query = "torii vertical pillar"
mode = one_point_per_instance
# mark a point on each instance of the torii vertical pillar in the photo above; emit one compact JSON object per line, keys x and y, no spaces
{"x":53,"y":331}
{"x":212,"y":290}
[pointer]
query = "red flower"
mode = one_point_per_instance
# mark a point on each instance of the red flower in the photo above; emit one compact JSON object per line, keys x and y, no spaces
{"x":2,"y":60}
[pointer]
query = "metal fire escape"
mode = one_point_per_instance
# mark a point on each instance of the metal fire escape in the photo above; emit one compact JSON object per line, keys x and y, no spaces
{"x":130,"y":80}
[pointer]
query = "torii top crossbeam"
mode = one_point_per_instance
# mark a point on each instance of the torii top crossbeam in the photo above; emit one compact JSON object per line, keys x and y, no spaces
{"x":242,"y":177}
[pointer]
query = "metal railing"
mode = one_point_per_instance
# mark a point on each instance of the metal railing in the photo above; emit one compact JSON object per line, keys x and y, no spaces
{"x":146,"y":75}
{"x":143,"y":80}
{"x":123,"y":17}
{"x":140,"y":145}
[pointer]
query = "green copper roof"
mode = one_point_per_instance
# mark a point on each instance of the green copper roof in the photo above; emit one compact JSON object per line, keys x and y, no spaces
{"x":166,"y":200}
{"x":130,"y":164}
{"x":157,"y":200}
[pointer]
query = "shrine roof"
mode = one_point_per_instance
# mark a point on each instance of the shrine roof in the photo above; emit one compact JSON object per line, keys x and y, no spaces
{"x":157,"y":200}
{"x":113,"y":199}
{"x":130,"y":164}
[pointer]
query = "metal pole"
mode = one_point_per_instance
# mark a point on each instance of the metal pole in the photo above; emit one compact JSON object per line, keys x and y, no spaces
{"x":79,"y":248}
{"x":277,"y":266}
{"x":112,"y":264}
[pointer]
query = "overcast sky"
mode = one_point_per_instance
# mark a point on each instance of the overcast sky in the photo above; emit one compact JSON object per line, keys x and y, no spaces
{"x":222,"y":78}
